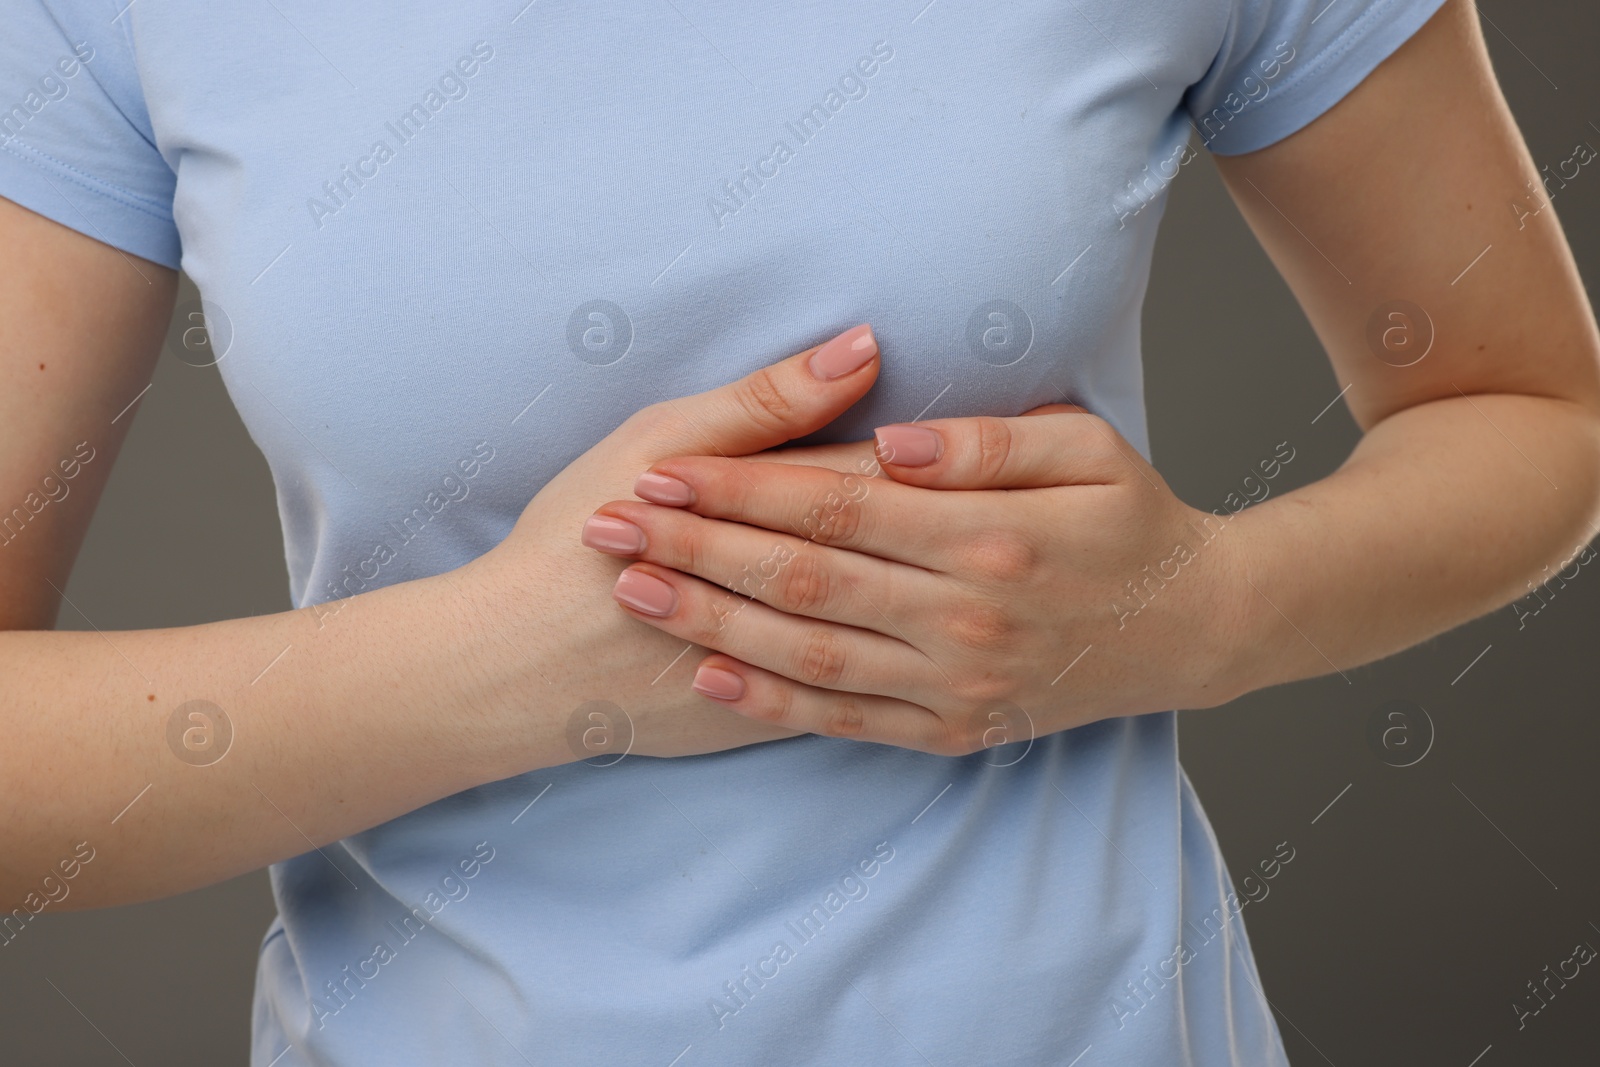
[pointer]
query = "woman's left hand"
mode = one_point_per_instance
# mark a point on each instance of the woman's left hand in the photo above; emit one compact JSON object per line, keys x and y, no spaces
{"x":1011,"y":577}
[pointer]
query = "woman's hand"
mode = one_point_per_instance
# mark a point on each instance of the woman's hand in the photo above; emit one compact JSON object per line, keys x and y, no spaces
{"x":542,"y":597}
{"x":1010,"y":577}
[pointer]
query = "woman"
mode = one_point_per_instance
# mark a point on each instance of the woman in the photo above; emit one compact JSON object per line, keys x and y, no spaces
{"x":869,"y":757}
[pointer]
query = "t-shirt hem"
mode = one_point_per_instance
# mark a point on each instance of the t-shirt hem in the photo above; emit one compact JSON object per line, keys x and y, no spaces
{"x":1327,"y":79}
{"x":110,"y":215}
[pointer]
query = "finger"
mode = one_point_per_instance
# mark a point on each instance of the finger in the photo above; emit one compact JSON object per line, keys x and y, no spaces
{"x":861,"y":456}
{"x":1064,"y":448}
{"x":774,"y":699}
{"x":780,"y":570}
{"x":851,"y":457}
{"x":851,"y":511}
{"x":769,"y":406}
{"x":816,"y":653}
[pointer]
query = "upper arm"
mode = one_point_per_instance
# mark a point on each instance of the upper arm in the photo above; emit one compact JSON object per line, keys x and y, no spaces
{"x":1417,"y":187}
{"x":81,"y":324}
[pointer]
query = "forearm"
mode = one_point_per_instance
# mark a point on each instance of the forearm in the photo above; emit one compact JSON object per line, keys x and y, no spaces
{"x":1444,"y":511}
{"x":339,"y":721}
{"x":406,"y":695}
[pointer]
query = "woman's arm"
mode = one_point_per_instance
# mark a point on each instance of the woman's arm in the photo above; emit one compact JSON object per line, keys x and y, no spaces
{"x":342,"y":716}
{"x":1480,"y":464}
{"x":1055,"y":579}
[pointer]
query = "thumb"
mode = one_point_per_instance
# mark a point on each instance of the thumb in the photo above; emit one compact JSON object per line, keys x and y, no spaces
{"x":770,"y":406}
{"x":1055,"y":409}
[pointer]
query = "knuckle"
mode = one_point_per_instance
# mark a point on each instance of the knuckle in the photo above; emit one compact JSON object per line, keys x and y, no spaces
{"x":993,"y":446}
{"x":722,"y":485}
{"x":707,"y":623}
{"x":780,"y":707}
{"x":957,"y":738}
{"x":1004,"y":556}
{"x":1092,"y":433}
{"x":807,"y":588}
{"x":981,"y":626}
{"x":983,"y":691}
{"x":844,"y":717}
{"x":764,"y":401}
{"x":748,"y":582}
{"x":821,"y":658}
{"x":834,"y":520}
{"x":677,"y":546}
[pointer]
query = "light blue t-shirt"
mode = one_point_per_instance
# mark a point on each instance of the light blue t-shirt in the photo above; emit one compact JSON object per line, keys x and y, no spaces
{"x":411,"y":221}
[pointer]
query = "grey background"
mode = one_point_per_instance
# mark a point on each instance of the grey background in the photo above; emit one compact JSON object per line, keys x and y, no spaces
{"x":1417,"y":905}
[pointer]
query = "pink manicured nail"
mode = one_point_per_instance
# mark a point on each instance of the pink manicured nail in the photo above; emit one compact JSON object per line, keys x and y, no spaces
{"x":845,"y":353}
{"x":909,"y":446}
{"x":643,"y":592}
{"x":662,"y":489}
{"x":718,"y":683}
{"x":613,"y":535}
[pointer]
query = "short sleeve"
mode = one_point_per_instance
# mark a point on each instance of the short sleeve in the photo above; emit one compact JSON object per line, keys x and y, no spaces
{"x":75,"y":139}
{"x":1284,"y":62}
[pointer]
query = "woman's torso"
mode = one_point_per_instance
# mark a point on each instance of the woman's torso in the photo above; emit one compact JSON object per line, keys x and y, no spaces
{"x":425,"y":232}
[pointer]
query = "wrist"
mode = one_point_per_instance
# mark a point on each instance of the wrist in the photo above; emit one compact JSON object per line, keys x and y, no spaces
{"x":1234,"y":633}
{"x":1253,"y":600}
{"x":503,"y":652}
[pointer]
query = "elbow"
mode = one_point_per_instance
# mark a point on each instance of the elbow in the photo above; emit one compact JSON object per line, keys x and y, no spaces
{"x":1575,"y":424}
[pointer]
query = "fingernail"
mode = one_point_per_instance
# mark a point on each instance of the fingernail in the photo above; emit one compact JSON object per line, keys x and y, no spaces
{"x":718,"y":683}
{"x":613,"y":535}
{"x":845,"y":353}
{"x":909,"y":446}
{"x":643,"y":592}
{"x":662,"y":489}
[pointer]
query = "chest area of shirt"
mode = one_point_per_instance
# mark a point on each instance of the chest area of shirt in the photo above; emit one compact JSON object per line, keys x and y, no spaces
{"x":574,"y":214}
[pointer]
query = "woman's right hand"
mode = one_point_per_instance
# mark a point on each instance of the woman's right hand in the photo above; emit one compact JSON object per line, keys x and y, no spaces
{"x":549,"y":597}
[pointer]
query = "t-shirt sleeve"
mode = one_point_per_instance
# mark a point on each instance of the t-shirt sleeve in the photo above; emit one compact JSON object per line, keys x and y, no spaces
{"x":76,"y":144}
{"x":1284,"y":62}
